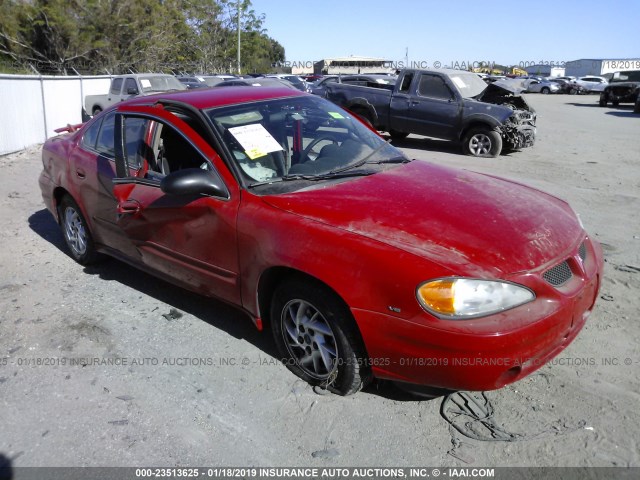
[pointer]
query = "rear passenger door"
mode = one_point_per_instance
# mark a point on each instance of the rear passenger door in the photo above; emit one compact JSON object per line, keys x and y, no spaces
{"x":399,"y":116}
{"x":92,"y":169}
{"x":190,"y":239}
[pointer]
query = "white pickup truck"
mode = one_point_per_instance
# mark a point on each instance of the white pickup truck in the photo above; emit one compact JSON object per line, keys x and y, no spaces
{"x":127,"y":86}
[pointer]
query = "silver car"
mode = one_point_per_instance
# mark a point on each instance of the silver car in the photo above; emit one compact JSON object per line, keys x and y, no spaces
{"x":542,"y":86}
{"x":593,"y":83}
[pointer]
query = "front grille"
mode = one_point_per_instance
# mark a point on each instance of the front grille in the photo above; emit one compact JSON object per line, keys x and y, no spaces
{"x":582,"y":252}
{"x":558,"y":275}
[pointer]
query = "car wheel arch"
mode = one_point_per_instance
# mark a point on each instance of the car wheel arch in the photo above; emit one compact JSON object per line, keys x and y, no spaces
{"x":275,"y":276}
{"x":364,"y":109}
{"x":477,"y":124}
{"x":58,"y":194}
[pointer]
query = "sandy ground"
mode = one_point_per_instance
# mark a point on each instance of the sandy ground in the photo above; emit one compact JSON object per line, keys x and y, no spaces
{"x":236,"y":406}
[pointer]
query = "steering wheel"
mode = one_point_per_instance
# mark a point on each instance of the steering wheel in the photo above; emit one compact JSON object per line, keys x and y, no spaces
{"x":304,"y":156}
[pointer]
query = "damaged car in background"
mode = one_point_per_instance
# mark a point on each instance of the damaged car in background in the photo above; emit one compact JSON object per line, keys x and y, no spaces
{"x":624,"y":87}
{"x":446,"y":104}
{"x":361,"y":262}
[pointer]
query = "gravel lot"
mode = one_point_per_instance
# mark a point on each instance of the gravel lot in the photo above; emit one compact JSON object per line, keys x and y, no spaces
{"x":200,"y":386}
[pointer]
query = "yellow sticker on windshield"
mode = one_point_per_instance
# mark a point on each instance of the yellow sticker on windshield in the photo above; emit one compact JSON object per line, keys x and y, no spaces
{"x":254,"y":153}
{"x":336,"y":115}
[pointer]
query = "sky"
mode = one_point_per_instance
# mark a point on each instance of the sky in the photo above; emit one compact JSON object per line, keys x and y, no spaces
{"x":453,"y":31}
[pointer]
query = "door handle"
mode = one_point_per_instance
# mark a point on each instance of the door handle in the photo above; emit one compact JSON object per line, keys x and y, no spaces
{"x":129,"y":207}
{"x":80,"y":173}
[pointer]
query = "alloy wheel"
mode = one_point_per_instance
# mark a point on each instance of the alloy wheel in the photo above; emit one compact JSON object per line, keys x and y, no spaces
{"x":480,"y":144}
{"x":74,"y":231}
{"x":309,"y":339}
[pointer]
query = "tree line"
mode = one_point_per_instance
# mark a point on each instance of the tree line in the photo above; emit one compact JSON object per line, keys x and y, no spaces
{"x":120,"y":36}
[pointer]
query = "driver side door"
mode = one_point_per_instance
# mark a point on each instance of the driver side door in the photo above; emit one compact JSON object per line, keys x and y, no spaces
{"x":187,"y":238}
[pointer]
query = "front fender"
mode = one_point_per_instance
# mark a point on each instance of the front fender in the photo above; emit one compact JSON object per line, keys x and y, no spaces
{"x":365,"y":273}
{"x":481,"y":113}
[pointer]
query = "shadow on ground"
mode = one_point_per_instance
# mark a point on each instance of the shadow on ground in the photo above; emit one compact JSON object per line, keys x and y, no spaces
{"x":216,"y":313}
{"x":428,"y":144}
{"x":6,"y":470}
{"x":625,"y":114}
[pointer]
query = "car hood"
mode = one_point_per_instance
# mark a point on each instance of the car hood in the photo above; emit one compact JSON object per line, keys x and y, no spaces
{"x":474,"y":224}
{"x":506,"y":86}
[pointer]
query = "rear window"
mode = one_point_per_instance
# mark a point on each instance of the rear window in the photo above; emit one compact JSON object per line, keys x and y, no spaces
{"x":105,"y":137}
{"x":116,"y":86}
{"x":91,"y":135}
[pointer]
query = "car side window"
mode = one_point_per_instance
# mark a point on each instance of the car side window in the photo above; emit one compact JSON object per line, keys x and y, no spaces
{"x":130,"y":85}
{"x":116,"y":86}
{"x":105,"y":143}
{"x":406,"y":83}
{"x":164,"y":149}
{"x":91,"y":135}
{"x":434,"y":87}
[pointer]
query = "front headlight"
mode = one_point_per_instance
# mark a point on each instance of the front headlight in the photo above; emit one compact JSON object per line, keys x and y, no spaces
{"x":462,"y":298}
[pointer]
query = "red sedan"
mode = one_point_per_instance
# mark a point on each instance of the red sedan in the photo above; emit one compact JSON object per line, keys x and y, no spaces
{"x":362,"y":262}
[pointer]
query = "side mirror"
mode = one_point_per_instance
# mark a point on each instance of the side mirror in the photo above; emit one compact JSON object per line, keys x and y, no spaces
{"x":132,"y":91}
{"x":193,"y":181}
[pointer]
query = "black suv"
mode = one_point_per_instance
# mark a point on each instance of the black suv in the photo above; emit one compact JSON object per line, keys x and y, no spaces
{"x":624,"y":87}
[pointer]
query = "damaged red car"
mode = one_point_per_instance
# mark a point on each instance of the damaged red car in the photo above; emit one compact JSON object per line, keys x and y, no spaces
{"x":361,"y":262}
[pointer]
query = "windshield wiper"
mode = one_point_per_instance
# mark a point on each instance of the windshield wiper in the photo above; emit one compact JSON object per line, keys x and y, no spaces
{"x":398,"y":159}
{"x":313,"y":178}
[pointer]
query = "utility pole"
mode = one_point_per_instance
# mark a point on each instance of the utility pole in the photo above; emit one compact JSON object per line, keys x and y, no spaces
{"x":238,"y":4}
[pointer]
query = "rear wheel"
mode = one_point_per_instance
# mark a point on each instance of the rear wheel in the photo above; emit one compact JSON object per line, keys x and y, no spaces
{"x":316,"y":337}
{"x":573,"y":91}
{"x":545,"y":91}
{"x":96,"y":111}
{"x":482,"y":142}
{"x":76,"y":232}
{"x":636,"y":108}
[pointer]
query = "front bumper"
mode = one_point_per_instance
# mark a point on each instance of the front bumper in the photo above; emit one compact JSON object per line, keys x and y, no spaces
{"x":485,"y":354}
{"x":520,"y":136}
{"x":519,"y":130}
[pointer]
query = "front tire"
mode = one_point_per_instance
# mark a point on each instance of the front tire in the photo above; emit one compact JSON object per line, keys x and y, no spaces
{"x":482,"y":142}
{"x":96,"y":111}
{"x":75,"y":231}
{"x":545,"y":91}
{"x":316,"y":337}
{"x":603,"y":100}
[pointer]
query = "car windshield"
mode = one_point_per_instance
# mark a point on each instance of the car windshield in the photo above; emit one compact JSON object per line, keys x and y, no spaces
{"x":293,"y":79}
{"x":631,"y":76}
{"x":160,"y":83}
{"x":299,"y":138}
{"x":468,"y":84}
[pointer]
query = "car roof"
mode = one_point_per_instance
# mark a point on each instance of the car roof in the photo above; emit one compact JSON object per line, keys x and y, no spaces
{"x":218,"y":97}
